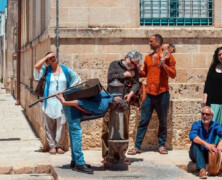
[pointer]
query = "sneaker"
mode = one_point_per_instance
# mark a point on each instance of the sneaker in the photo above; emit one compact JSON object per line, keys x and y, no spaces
{"x":203,"y":174}
{"x":134,"y":151}
{"x":52,"y":151}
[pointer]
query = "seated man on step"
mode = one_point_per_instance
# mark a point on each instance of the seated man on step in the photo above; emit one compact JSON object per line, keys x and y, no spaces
{"x":202,"y":135}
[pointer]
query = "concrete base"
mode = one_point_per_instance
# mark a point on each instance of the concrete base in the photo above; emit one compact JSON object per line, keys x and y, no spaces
{"x":116,"y":155}
{"x":121,"y":166}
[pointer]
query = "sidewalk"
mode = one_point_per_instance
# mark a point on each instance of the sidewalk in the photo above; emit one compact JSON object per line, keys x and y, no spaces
{"x":19,"y":159}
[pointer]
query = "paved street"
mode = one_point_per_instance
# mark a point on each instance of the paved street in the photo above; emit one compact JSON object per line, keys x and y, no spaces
{"x":19,"y":159}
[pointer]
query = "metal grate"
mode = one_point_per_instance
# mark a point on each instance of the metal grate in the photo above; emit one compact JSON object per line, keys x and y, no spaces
{"x":176,"y":12}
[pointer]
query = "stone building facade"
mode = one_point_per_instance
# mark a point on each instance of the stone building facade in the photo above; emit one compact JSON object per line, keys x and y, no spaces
{"x":95,"y":32}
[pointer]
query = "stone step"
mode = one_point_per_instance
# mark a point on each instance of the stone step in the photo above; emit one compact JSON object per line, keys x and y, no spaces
{"x":27,"y":177}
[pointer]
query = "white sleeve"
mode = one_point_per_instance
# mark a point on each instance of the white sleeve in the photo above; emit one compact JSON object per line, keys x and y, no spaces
{"x":37,"y":76}
{"x":76,"y":81}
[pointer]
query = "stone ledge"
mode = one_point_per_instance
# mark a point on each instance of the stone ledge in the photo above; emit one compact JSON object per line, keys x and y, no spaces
{"x":142,"y":32}
{"x":5,"y":169}
{"x":191,"y":167}
{"x":26,"y":169}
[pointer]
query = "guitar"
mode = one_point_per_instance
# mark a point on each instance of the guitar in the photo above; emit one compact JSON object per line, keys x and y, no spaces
{"x":86,"y":89}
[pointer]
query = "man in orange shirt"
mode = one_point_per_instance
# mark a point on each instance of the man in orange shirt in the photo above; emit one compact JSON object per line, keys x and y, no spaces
{"x":158,"y":67}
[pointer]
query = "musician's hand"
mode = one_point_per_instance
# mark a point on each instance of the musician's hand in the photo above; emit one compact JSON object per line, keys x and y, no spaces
{"x":162,"y":60}
{"x":128,"y":97}
{"x":211,"y":147}
{"x":117,"y":98}
{"x":219,"y":148}
{"x":129,"y":73}
{"x":60,"y":98}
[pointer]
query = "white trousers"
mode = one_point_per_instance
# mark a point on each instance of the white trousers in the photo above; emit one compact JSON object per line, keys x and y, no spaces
{"x":55,"y":130}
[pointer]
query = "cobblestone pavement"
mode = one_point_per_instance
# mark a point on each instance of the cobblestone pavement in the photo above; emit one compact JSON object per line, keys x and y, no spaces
{"x":19,"y":159}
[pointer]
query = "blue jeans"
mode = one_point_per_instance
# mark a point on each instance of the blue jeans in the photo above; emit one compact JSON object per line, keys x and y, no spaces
{"x":199,"y":155}
{"x":161,"y":104}
{"x":75,"y":133}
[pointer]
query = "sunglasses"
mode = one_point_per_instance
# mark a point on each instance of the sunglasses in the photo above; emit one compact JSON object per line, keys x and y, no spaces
{"x":207,"y":114}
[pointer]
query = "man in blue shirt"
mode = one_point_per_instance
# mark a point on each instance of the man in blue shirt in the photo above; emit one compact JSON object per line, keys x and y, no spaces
{"x":97,"y":105}
{"x":202,"y":135}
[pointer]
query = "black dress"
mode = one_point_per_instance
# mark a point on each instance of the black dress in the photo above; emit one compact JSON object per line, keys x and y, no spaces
{"x":213,"y":87}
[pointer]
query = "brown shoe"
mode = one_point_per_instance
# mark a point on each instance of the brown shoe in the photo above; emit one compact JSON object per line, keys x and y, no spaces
{"x":60,"y":151}
{"x":162,"y":150}
{"x":52,"y":151}
{"x":203,"y":174}
{"x":134,"y":151}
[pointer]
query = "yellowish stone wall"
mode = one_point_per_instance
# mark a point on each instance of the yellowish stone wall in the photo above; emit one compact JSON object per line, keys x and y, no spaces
{"x":93,"y":33}
{"x":90,"y":58}
{"x":96,"y":13}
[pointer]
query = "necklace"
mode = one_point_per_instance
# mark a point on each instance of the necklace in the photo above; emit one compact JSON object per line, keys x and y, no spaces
{"x":219,"y":68}
{"x":57,"y":80}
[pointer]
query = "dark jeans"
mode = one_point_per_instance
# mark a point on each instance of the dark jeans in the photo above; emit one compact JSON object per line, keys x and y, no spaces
{"x":199,"y":155}
{"x":161,"y":104}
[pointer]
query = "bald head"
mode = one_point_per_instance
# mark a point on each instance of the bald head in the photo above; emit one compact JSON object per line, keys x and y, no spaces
{"x":208,"y":108}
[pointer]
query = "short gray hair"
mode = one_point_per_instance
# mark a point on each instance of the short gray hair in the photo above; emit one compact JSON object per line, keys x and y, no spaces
{"x":208,"y":107}
{"x":134,"y":54}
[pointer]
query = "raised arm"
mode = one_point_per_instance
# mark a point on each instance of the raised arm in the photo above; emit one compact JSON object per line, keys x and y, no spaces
{"x":171,"y":67}
{"x":39,"y":64}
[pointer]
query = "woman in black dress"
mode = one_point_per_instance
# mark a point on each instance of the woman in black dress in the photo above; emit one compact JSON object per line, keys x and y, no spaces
{"x":213,"y":87}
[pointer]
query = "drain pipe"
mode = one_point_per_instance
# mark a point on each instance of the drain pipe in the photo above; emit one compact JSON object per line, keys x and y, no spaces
{"x":57,"y":31}
{"x":19,"y":53}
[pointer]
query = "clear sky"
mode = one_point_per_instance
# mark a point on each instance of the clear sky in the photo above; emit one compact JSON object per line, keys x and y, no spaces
{"x":3,"y":4}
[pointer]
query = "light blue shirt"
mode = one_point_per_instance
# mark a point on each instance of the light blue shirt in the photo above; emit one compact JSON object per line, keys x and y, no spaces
{"x":54,"y":107}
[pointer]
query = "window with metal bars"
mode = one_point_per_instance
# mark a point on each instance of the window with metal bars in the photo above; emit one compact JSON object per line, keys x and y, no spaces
{"x":176,"y":12}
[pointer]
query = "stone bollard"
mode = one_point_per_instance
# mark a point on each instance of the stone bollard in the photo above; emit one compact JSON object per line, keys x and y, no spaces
{"x":117,"y":142}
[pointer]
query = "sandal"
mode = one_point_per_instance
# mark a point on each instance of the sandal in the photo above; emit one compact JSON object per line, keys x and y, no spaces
{"x":52,"y":151}
{"x":127,"y":161}
{"x":162,"y":150}
{"x":60,"y":151}
{"x":134,"y":151}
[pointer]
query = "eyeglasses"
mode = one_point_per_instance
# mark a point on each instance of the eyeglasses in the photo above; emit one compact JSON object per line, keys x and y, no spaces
{"x":207,"y":114}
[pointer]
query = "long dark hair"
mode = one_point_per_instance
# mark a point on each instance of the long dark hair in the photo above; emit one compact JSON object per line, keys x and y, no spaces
{"x":215,"y":60}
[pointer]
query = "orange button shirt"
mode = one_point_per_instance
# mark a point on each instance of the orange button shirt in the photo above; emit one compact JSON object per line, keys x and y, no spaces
{"x":157,"y":77}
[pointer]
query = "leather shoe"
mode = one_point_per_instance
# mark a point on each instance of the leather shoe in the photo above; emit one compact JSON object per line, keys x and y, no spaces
{"x":84,"y":169}
{"x":72,"y":164}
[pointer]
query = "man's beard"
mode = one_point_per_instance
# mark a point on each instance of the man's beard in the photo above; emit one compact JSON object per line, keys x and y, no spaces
{"x":128,"y":67}
{"x":205,"y":122}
